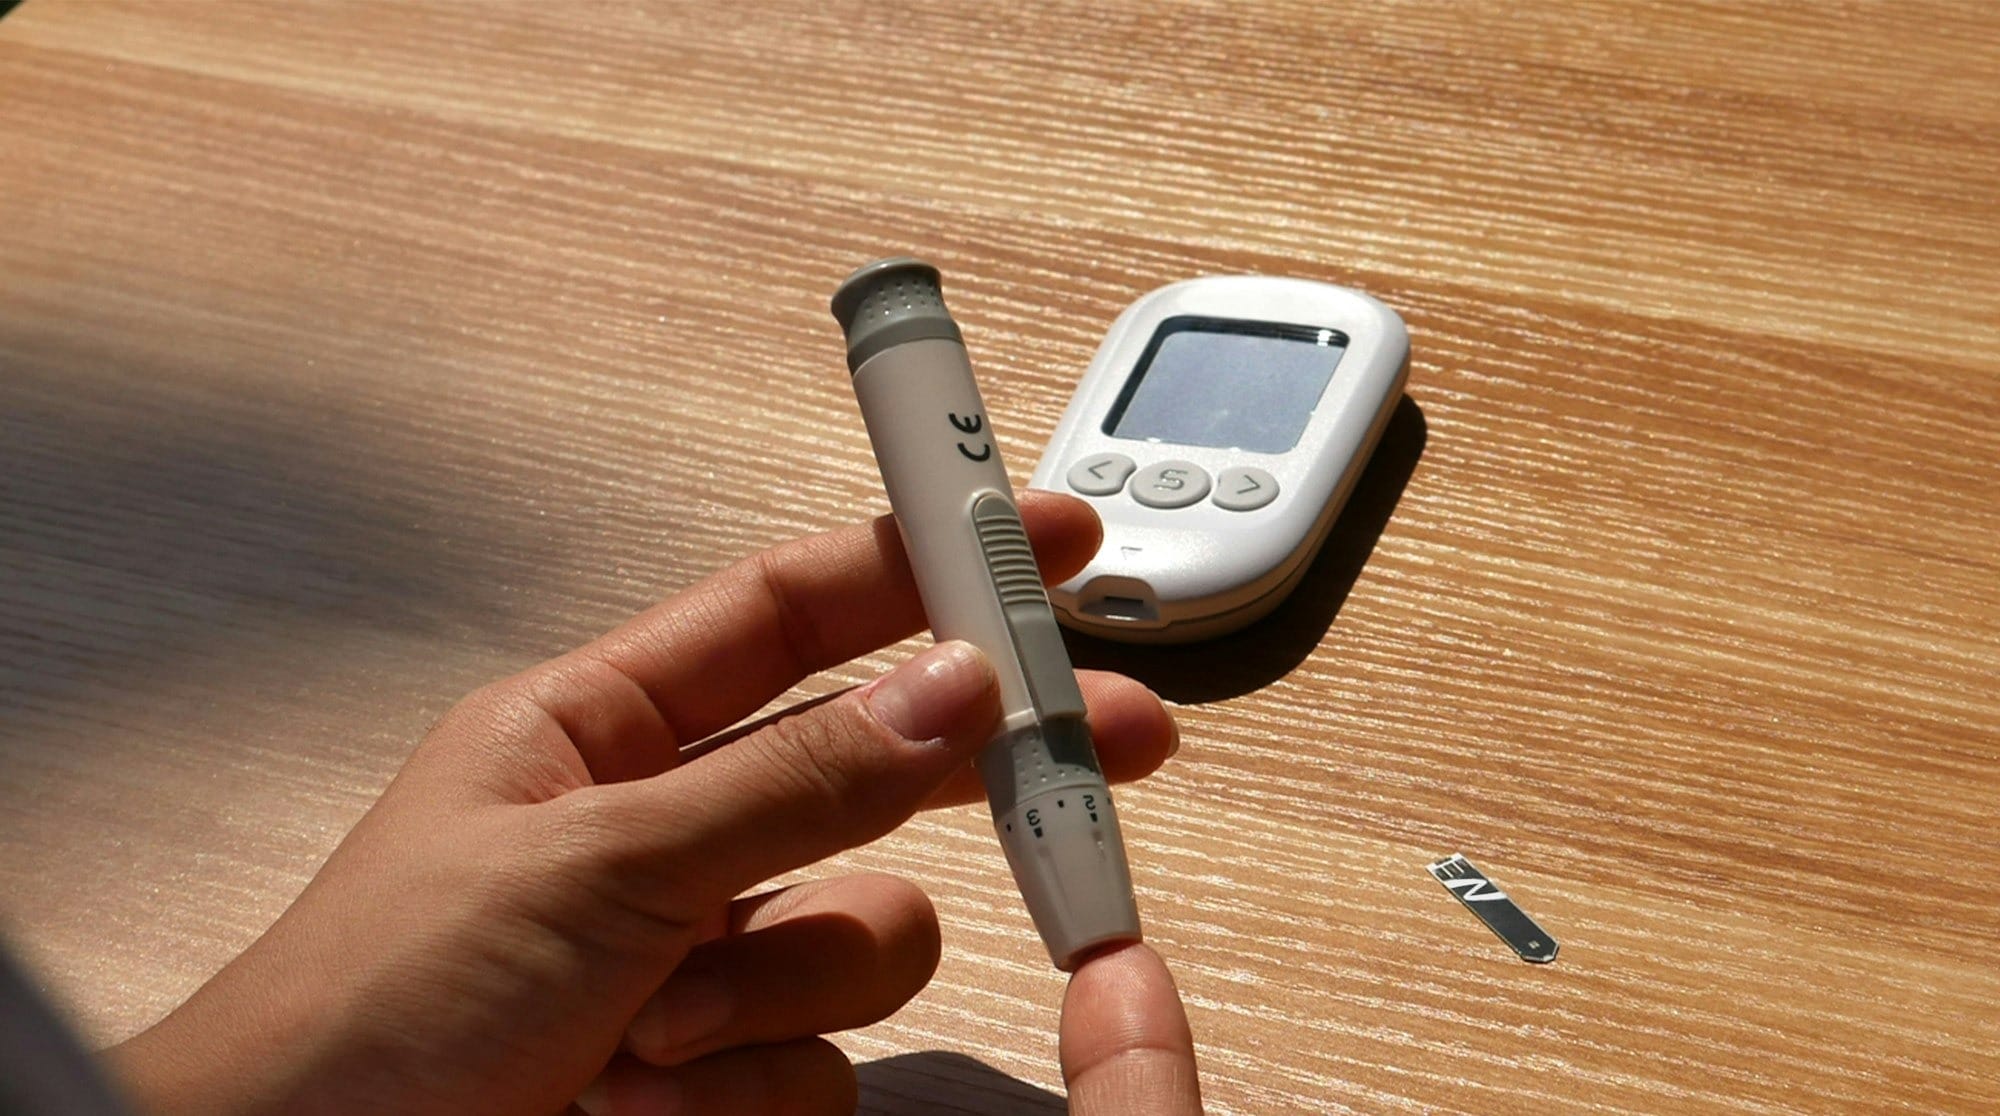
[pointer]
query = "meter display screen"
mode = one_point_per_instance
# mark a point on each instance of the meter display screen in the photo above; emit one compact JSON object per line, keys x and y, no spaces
{"x":1227,"y":384}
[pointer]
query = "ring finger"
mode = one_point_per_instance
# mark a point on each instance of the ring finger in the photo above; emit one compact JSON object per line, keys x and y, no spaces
{"x":805,"y":960}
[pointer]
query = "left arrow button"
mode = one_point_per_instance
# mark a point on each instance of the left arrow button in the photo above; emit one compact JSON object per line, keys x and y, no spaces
{"x":1101,"y":474}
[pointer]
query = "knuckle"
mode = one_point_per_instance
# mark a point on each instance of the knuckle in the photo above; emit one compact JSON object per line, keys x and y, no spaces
{"x":822,"y":771}
{"x":829,"y":1075}
{"x":574,"y":840}
{"x":914,"y":943}
{"x":580,"y":830}
{"x":815,"y":757}
{"x":801,"y":642}
{"x":650,"y":1037}
{"x":485,"y":709}
{"x":906,"y":951}
{"x":617,"y":887}
{"x":495,"y":712}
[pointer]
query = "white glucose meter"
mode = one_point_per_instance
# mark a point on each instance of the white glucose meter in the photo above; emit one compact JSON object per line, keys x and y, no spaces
{"x":1217,"y":432}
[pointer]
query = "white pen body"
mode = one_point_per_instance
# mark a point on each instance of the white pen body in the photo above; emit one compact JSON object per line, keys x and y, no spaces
{"x":938,"y":461}
{"x":954,"y":507}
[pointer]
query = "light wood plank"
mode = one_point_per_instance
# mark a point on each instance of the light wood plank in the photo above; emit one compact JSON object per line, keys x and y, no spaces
{"x":353,"y":355}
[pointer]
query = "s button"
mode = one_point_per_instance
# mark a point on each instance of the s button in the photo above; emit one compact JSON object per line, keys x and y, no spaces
{"x":1170,"y":484}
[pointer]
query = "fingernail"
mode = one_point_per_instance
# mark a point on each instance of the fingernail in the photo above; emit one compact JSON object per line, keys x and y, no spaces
{"x":595,"y":1100}
{"x":692,"y":1007}
{"x":929,"y":696}
{"x":1173,"y":745}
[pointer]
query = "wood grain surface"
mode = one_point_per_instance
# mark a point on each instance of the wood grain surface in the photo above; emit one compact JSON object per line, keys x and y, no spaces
{"x":353,"y":354}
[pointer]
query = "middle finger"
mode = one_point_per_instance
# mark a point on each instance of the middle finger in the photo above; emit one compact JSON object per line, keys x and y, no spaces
{"x":1129,"y":726}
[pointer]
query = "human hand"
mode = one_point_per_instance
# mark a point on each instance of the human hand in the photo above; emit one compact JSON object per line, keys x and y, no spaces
{"x":1126,"y":1046}
{"x":541,"y":905}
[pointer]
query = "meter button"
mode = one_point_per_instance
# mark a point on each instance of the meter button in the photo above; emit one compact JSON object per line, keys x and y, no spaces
{"x":1170,"y":484}
{"x":1101,"y":474}
{"x":1245,"y":489}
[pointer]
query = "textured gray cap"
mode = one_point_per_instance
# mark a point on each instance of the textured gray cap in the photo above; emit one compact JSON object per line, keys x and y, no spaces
{"x":889,"y":302}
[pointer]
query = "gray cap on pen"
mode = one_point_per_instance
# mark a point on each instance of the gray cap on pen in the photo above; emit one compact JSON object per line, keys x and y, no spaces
{"x":889,"y":302}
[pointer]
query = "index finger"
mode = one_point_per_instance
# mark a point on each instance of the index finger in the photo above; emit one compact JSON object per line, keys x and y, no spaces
{"x":1126,"y":1046}
{"x":712,"y":654}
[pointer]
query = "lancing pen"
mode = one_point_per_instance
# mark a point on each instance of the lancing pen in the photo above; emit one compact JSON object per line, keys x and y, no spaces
{"x":978,"y":580}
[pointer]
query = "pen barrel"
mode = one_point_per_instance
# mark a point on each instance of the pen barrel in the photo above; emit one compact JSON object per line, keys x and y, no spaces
{"x":955,"y":510}
{"x":977,"y":577}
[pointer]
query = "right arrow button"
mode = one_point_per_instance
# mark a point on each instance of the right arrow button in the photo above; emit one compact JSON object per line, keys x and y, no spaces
{"x":1244,"y":489}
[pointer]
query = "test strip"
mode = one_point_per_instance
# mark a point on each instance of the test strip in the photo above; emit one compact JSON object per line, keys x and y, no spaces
{"x":1498,"y":912}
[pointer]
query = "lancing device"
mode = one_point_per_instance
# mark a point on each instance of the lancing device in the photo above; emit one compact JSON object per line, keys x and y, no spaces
{"x":978,"y":580}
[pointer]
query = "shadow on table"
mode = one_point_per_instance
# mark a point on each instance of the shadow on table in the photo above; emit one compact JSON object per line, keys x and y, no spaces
{"x":152,"y":523}
{"x":1266,"y":651}
{"x":939,"y":1081}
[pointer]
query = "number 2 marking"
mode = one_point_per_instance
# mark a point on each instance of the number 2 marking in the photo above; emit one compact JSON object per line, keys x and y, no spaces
{"x":1475,"y":890}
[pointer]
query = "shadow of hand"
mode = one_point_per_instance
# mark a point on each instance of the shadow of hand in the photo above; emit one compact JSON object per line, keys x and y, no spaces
{"x":935,"y":1081}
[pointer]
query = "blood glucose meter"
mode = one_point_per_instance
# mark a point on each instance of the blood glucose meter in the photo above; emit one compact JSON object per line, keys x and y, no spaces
{"x":1217,"y":432}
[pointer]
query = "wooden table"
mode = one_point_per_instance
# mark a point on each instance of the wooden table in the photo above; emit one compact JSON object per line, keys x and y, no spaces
{"x":354,"y":354}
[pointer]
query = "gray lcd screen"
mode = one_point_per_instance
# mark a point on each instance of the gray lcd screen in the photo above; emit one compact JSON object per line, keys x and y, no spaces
{"x":1227,"y":384}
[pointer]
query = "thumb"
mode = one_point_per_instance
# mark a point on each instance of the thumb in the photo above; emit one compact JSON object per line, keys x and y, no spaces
{"x":833,"y":776}
{"x":1126,"y":1046}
